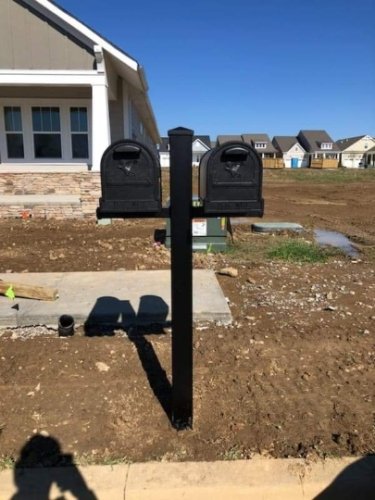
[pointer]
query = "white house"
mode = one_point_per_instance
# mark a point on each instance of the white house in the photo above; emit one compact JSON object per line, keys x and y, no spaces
{"x":200,"y":145}
{"x":66,"y":93}
{"x":354,"y":149}
{"x":292,"y":152}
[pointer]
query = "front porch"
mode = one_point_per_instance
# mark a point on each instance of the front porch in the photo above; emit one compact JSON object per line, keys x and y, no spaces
{"x":272,"y":161}
{"x":53,"y":117}
{"x":324,"y":163}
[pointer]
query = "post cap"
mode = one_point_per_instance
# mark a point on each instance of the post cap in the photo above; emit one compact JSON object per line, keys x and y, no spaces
{"x":180,"y":131}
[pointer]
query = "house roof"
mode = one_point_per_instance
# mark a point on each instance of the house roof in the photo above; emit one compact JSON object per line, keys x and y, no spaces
{"x":372,"y":150}
{"x":126,"y":65}
{"x":203,"y":138}
{"x":312,"y":140}
{"x":221,"y":139}
{"x":348,"y":141}
{"x":163,"y":147}
{"x":256,"y":138}
{"x":285,"y":142}
{"x":253,"y":138}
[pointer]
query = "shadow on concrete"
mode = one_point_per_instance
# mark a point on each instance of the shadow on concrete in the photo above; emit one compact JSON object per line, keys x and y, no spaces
{"x":40,"y":465}
{"x":355,"y":482}
{"x":110,"y":314}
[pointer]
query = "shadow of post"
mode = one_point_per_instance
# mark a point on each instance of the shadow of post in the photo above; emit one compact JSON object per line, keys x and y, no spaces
{"x":355,"y":482}
{"x":110,"y":313}
{"x":40,"y":465}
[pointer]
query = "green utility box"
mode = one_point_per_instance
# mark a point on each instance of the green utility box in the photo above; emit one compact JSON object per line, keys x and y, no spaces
{"x":208,"y":233}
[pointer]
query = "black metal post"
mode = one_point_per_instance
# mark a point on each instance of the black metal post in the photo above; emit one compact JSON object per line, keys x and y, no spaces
{"x":180,"y":140}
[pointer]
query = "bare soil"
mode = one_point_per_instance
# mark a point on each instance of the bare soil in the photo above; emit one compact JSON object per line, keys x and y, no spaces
{"x":292,"y":376}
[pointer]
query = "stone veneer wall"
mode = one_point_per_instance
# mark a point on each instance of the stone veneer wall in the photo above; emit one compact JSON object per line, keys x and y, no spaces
{"x":84,"y":185}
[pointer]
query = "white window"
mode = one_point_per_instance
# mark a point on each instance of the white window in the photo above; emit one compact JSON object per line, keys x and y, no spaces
{"x":13,"y":131}
{"x":45,"y":131}
{"x":326,"y":145}
{"x":260,"y":145}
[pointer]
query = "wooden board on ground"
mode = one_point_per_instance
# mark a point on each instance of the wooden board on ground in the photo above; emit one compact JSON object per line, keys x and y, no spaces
{"x":29,"y":291}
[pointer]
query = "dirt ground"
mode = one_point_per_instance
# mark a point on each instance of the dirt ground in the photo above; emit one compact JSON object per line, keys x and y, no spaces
{"x":293,"y":376}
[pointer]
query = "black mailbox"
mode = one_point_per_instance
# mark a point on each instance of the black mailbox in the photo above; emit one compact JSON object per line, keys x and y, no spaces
{"x":131,"y":180}
{"x":230,"y":180}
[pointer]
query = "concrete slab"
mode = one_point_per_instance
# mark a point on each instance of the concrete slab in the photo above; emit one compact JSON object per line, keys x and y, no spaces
{"x":113,"y":297}
{"x":276,"y":227}
{"x":259,"y":478}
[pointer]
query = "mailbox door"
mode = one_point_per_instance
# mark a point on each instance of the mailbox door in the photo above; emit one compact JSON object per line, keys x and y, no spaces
{"x":233,"y":177}
{"x":131,"y":180}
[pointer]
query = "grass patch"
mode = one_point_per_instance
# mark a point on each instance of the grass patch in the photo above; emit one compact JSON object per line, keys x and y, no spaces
{"x":6,"y":463}
{"x":246,"y":251}
{"x":299,"y":251}
{"x":234,"y":453}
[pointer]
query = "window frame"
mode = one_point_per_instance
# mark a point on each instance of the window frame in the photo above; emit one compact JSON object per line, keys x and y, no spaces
{"x":260,"y":145}
{"x":26,"y":105}
{"x":7,"y":133}
{"x":47,"y":132}
{"x":79,"y":132}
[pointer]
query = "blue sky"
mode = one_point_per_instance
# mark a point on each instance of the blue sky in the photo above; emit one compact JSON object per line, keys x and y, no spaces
{"x":275,"y":66}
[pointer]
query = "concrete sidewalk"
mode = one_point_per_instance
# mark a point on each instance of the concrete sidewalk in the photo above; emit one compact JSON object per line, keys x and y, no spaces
{"x":111,"y":297}
{"x":259,"y":478}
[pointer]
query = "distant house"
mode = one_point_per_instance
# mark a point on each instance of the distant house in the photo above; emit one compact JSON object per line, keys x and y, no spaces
{"x":354,"y":149}
{"x":323,"y":151}
{"x":66,"y":93}
{"x":370,"y":158}
{"x":200,"y":145}
{"x":266,"y":150}
{"x":291,"y":151}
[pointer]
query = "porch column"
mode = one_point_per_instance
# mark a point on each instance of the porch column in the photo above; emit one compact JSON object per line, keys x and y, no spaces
{"x":101,"y":134}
